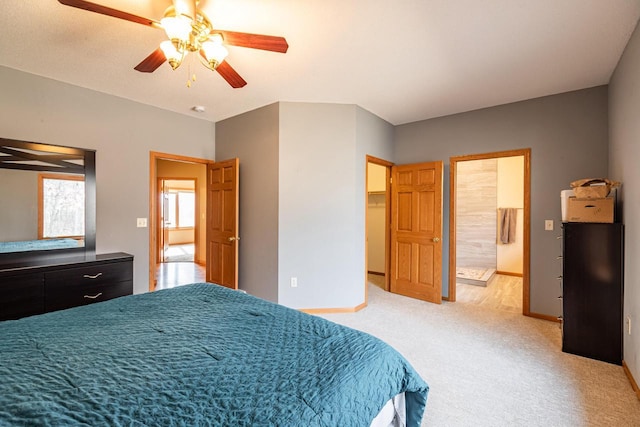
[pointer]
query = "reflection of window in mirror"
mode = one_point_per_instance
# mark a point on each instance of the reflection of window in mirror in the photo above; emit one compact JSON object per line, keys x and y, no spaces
{"x":181,"y":208}
{"x":60,"y":206}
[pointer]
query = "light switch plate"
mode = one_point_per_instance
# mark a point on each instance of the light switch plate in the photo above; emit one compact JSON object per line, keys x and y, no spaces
{"x":142,"y":222}
{"x":548,"y":225}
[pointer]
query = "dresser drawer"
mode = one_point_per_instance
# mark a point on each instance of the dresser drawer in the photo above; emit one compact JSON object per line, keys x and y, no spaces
{"x":91,"y":275}
{"x":46,"y":284}
{"x":21,"y":296}
{"x":72,"y":295}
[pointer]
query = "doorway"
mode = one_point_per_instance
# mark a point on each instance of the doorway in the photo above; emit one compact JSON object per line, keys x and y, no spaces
{"x":413,"y":228}
{"x":177,"y":220}
{"x":378,"y":212}
{"x":489,"y":229}
{"x":178,"y":199}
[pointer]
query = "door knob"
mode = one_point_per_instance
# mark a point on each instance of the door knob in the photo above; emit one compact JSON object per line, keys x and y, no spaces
{"x":436,"y":239}
{"x":231,"y":239}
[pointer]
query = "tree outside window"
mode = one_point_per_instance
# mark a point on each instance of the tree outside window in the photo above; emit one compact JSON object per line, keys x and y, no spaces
{"x":61,"y":206}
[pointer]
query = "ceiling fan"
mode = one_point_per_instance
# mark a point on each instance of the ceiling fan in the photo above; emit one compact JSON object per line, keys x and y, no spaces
{"x":189,"y":31}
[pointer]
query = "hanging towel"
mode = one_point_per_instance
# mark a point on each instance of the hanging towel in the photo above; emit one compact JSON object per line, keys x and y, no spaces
{"x":507,"y":218}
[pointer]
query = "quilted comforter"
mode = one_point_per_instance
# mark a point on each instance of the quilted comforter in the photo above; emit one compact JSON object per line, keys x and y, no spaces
{"x":38,"y":245}
{"x":196,"y":355}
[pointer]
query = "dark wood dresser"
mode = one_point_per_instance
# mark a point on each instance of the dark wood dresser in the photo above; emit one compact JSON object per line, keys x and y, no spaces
{"x":55,"y":284}
{"x":592,"y":293}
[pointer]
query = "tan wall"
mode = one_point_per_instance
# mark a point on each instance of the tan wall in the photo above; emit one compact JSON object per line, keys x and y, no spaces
{"x":179,"y":237}
{"x":511,"y":195}
{"x":376,"y":214}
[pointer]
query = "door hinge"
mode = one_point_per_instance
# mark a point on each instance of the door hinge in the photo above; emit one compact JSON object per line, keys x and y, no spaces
{"x":390,"y":180}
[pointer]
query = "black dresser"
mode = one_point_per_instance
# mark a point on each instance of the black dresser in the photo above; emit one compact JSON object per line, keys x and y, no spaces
{"x":55,"y":284}
{"x":592,"y":290}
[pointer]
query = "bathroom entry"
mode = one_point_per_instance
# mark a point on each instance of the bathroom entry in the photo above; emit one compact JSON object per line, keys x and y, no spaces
{"x":489,"y":230}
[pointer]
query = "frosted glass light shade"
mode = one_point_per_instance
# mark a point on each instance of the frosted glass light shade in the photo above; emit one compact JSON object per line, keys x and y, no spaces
{"x":214,"y":51}
{"x":177,"y":27}
{"x":174,"y":57}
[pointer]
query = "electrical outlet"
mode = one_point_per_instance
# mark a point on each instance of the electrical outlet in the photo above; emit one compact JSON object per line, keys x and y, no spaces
{"x":294,"y":282}
{"x":548,"y":225}
{"x":142,"y":222}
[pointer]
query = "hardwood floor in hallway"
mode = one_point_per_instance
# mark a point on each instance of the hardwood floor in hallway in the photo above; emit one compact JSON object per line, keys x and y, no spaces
{"x":172,"y":274}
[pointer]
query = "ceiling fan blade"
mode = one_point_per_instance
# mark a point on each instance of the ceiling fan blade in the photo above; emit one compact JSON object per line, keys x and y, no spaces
{"x":151,"y":62}
{"x":254,"y":41}
{"x":230,"y":75}
{"x":104,"y":10}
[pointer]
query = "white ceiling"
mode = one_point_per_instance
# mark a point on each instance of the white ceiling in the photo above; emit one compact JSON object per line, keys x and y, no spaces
{"x":403,"y":60}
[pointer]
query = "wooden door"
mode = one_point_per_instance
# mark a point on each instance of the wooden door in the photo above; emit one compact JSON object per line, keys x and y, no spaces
{"x":416,"y":231}
{"x":222,"y":223}
{"x":164,"y":221}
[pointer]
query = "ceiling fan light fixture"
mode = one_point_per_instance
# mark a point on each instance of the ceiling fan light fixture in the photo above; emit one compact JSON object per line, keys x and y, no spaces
{"x":214,"y":51}
{"x":174,"y":57}
{"x":177,"y":27}
{"x":189,"y":30}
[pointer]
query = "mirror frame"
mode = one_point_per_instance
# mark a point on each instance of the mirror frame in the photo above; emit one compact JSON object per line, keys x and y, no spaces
{"x":56,"y":164}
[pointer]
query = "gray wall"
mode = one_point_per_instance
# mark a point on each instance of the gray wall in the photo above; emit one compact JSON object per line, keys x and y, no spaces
{"x":374,"y":137}
{"x":18,"y":205}
{"x":253,"y":138}
{"x":302,"y":199}
{"x":624,"y":156}
{"x":323,"y":150}
{"x":567,"y":134}
{"x":319,"y":239}
{"x":122,"y":132}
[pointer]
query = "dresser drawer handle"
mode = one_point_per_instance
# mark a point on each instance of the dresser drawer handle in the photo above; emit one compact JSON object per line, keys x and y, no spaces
{"x":95,"y":276}
{"x":93,"y":296}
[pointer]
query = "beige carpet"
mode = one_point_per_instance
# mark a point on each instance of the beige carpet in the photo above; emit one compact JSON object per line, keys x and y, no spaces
{"x":487,"y":367}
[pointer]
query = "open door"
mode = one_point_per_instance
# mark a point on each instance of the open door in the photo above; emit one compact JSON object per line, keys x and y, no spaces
{"x":416,"y":231}
{"x":222,"y":223}
{"x":163,"y":234}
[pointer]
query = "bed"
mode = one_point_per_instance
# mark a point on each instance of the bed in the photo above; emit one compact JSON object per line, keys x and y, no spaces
{"x":38,"y":245}
{"x":195,"y":355}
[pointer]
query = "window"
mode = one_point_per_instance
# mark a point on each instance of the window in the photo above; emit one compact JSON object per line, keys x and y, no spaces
{"x":181,"y":211}
{"x":60,"y":206}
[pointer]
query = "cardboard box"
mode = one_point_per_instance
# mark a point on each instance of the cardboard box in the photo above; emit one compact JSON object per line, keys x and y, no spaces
{"x":593,"y":188}
{"x":566,"y":194}
{"x":590,"y":210}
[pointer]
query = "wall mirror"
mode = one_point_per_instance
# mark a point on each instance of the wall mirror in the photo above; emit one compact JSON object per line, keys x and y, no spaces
{"x":47,"y":200}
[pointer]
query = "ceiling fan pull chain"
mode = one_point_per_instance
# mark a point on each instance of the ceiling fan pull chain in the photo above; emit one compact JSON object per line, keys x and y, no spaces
{"x":189,"y":73}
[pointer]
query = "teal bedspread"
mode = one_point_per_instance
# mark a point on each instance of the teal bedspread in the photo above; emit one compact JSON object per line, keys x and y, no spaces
{"x":38,"y":245}
{"x":196,"y":355}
